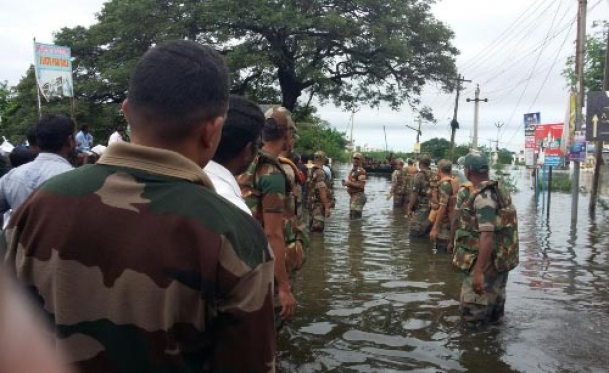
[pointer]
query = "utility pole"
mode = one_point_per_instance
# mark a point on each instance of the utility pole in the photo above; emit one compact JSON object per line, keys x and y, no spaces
{"x":418,"y":131}
{"x":454,"y":124}
{"x":599,"y":144}
{"x":579,"y":102}
{"x":476,"y":100}
{"x":498,"y":125}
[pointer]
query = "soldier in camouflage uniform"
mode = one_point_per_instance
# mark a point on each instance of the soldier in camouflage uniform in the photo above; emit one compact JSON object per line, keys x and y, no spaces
{"x":264,"y":187}
{"x":420,"y":199}
{"x":319,"y":201}
{"x":152,"y":271}
{"x":397,"y":184}
{"x":486,"y":243}
{"x":356,"y":185}
{"x":447,"y":194}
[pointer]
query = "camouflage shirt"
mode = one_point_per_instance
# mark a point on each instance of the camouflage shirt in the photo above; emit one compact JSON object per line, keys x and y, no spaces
{"x":356,"y":174}
{"x":317,"y":180}
{"x":397,"y":181}
{"x":142,"y":267}
{"x":422,"y":187}
{"x":264,"y":186}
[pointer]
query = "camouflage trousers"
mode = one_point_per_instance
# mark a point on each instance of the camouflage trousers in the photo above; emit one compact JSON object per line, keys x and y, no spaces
{"x":478,"y":310}
{"x":398,"y":200}
{"x":419,"y":223}
{"x":317,"y":217}
{"x":356,"y":204}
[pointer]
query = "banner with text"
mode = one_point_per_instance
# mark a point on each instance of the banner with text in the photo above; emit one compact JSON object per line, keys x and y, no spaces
{"x":548,"y":139}
{"x":53,"y":66}
{"x":530,"y":121}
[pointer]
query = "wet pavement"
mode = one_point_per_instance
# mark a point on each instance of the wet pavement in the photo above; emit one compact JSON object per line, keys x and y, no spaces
{"x":373,"y":300}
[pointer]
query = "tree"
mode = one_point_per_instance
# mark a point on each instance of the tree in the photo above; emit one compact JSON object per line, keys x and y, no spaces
{"x":594,"y":59}
{"x":368,"y":51}
{"x":350,"y":52}
{"x":437,"y":148}
{"x":315,"y":134}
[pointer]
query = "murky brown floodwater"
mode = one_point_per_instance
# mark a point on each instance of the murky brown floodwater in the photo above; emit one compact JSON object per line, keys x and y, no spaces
{"x":373,"y":300}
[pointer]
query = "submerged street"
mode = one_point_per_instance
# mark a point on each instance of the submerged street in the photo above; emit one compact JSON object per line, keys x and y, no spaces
{"x":373,"y":300}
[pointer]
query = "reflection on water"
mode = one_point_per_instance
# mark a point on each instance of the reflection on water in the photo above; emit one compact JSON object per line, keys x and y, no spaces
{"x":371,"y":299}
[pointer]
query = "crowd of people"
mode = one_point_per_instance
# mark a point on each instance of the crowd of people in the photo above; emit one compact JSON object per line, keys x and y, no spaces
{"x":176,"y":250}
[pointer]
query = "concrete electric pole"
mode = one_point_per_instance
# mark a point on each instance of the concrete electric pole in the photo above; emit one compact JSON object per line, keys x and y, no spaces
{"x":476,"y":100}
{"x":579,"y":102}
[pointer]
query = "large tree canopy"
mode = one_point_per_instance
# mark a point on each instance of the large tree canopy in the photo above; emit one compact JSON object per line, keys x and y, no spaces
{"x":366,"y":51}
{"x":350,"y":52}
{"x":362,"y":52}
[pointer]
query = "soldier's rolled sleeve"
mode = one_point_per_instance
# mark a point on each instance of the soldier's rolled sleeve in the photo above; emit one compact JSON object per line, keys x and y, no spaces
{"x":272,"y":187}
{"x":445,"y":192}
{"x":486,"y":211}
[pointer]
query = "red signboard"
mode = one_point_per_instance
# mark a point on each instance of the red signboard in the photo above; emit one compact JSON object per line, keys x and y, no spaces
{"x":548,"y":138}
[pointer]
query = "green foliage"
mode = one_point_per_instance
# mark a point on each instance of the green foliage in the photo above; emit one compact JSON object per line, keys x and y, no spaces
{"x":594,"y":60}
{"x":561,"y":183}
{"x":437,"y":148}
{"x":315,"y":134}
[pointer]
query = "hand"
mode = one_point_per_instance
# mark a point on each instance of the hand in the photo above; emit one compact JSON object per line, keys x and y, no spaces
{"x":409,"y":213}
{"x":343,"y":182}
{"x":288,"y":304}
{"x":478,"y":283}
{"x":433,"y":234}
{"x":327,"y":212}
{"x":450,"y":247}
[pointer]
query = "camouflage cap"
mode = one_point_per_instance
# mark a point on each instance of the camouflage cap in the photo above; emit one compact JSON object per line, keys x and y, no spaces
{"x":282,"y":117}
{"x":445,"y":165}
{"x":319,"y":155}
{"x":399,"y":160}
{"x":358,"y":155}
{"x":476,"y":161}
{"x":410,"y":161}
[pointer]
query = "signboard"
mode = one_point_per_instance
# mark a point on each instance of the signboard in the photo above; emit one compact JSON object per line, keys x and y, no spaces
{"x":597,"y":116}
{"x":417,"y":147}
{"x":530,"y":120}
{"x":548,"y":138}
{"x":53,"y":67}
{"x":577,"y":151}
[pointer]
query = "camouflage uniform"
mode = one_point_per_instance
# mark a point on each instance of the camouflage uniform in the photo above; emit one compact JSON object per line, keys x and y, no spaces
{"x":295,"y":232}
{"x":445,"y":198}
{"x":358,"y":197}
{"x":398,"y":187}
{"x":419,"y":222}
{"x":153,"y":271}
{"x":479,"y":210}
{"x":317,"y":180}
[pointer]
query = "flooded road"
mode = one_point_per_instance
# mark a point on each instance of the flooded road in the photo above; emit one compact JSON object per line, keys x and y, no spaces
{"x":373,"y":300}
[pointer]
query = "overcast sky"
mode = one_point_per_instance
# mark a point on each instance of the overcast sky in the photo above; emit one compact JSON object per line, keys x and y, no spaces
{"x":514,"y":49}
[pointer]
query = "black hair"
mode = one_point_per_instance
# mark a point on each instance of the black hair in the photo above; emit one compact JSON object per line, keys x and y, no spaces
{"x":176,"y":86}
{"x":53,"y":131}
{"x":304,"y":158}
{"x":273,"y":130}
{"x":84,"y":128}
{"x":30,"y":135}
{"x":20,"y":156}
{"x":243,"y":125}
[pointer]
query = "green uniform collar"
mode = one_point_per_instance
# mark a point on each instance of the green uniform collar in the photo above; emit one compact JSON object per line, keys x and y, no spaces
{"x":154,"y":160}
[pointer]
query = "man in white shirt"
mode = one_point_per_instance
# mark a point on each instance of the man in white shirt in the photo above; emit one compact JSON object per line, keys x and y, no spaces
{"x":237,"y":148}
{"x":117,"y":136}
{"x":84,"y":139}
{"x":55,"y":138}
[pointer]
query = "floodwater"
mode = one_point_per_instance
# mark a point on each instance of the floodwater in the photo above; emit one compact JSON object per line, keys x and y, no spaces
{"x":370,"y":299}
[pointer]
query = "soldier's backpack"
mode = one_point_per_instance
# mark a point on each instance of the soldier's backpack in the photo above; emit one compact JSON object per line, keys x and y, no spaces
{"x":452,"y":201}
{"x":295,"y":235}
{"x":505,"y":256}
